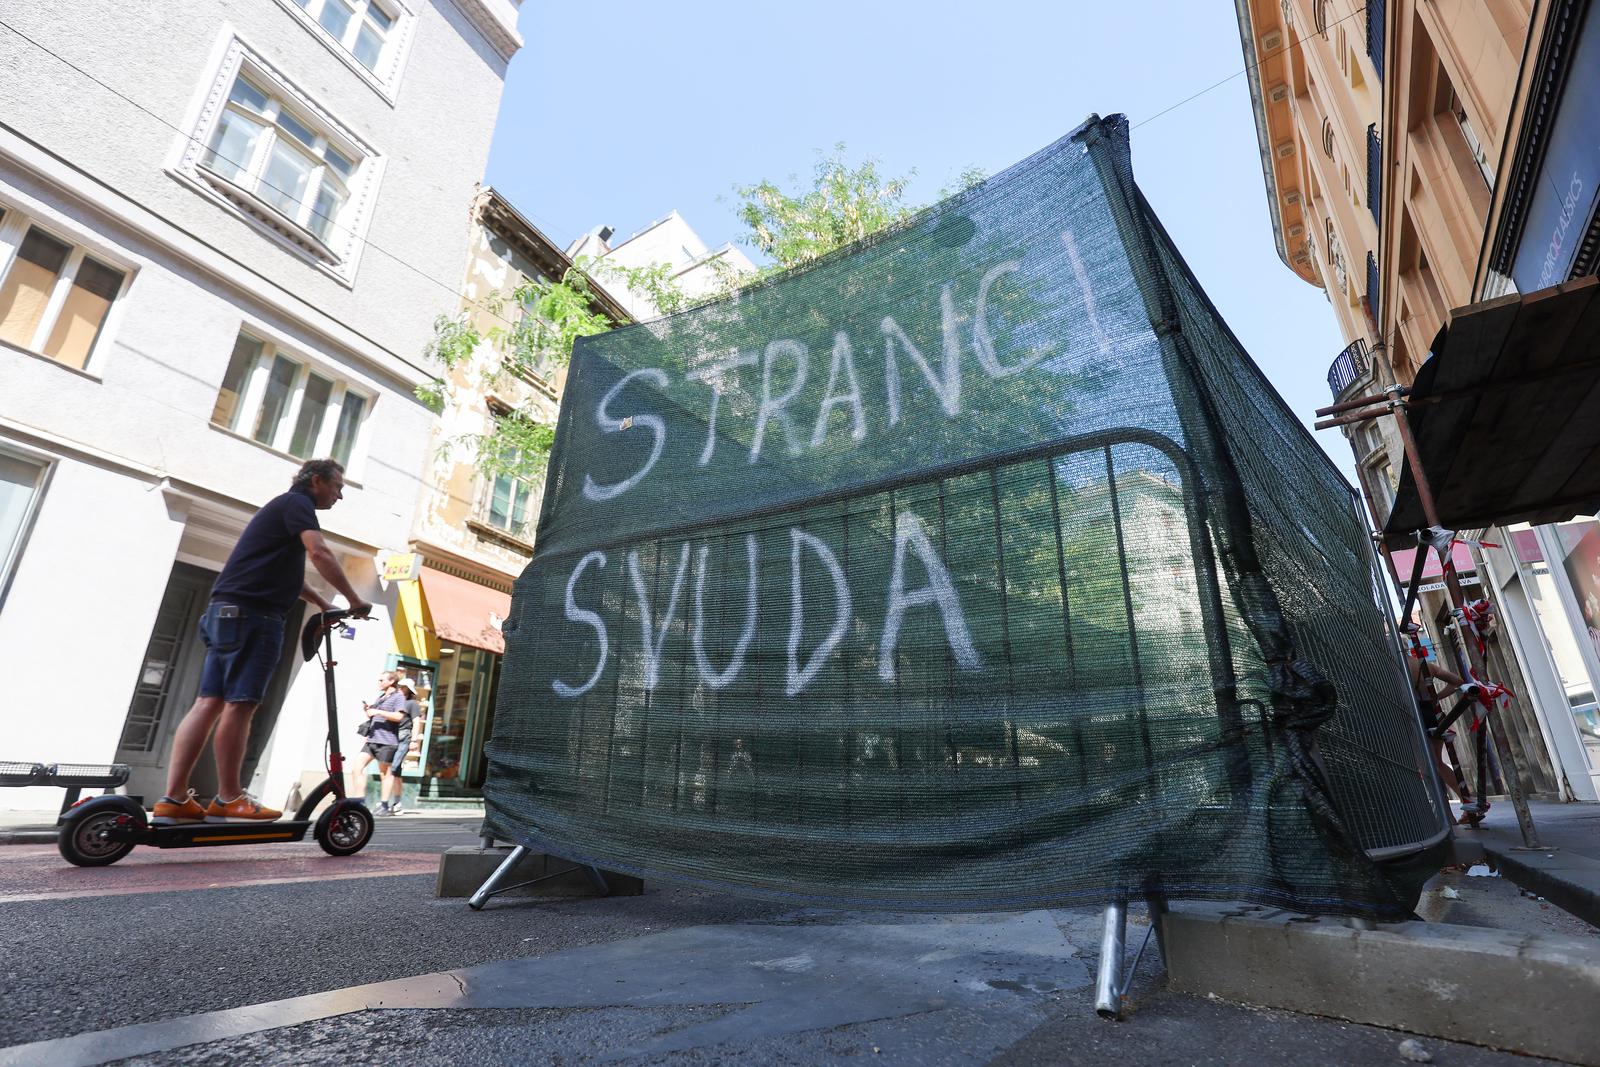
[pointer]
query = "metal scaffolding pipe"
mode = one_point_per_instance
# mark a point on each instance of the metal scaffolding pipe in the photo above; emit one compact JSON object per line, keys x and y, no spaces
{"x":1458,"y":601}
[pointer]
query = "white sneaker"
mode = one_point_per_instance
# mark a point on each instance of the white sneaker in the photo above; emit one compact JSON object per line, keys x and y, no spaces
{"x":395,"y":808}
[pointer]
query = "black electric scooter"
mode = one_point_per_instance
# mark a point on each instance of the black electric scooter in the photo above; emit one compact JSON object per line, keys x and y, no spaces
{"x":101,"y":830}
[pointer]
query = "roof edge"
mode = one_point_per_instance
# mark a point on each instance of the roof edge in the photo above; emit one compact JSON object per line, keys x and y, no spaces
{"x":1252,"y":77}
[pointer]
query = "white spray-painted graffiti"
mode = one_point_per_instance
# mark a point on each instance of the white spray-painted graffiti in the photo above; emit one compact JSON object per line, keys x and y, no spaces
{"x":658,"y":611}
{"x":785,"y":368}
{"x":841,"y":421}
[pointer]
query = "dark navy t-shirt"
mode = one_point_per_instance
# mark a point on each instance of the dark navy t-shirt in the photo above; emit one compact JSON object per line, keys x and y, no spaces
{"x":267,"y":569}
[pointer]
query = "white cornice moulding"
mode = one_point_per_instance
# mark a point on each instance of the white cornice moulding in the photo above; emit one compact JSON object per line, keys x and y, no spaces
{"x":497,"y":21}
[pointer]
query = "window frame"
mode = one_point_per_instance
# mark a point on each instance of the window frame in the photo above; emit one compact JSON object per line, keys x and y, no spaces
{"x":483,"y":512}
{"x":263,"y":154}
{"x":338,"y":253}
{"x":247,"y":408}
{"x":11,"y":555}
{"x":15,"y":224}
{"x":384,"y":78}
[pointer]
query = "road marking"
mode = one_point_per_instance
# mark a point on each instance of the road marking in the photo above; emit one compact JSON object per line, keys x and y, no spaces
{"x":39,"y":873}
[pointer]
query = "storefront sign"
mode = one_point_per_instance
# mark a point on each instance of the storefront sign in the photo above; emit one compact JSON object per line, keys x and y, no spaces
{"x":1564,"y":198}
{"x":401,"y":566}
{"x":1434,"y":587}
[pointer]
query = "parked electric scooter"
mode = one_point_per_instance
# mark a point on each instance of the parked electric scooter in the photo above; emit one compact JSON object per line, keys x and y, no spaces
{"x":101,"y":830}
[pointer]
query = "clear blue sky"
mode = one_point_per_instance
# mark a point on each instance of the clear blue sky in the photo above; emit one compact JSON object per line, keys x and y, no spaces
{"x":618,"y":111}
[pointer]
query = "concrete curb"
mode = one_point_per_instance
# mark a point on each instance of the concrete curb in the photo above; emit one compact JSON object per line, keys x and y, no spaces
{"x":1569,"y":881}
{"x":1525,"y":993}
{"x":27,"y":837}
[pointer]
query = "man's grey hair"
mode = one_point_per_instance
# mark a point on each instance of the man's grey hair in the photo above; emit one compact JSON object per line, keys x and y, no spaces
{"x":316,"y":468}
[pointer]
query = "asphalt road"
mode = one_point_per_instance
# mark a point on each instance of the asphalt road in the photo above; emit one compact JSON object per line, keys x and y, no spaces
{"x":672,"y":976}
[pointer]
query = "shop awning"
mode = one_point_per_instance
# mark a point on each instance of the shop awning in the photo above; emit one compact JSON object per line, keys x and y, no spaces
{"x":1404,"y":559}
{"x":1526,"y":542}
{"x":1507,"y":414}
{"x":464,"y":612}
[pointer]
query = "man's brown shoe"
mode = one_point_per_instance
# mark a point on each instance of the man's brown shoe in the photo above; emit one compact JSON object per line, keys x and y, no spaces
{"x":168,"y":811}
{"x":242,"y":808}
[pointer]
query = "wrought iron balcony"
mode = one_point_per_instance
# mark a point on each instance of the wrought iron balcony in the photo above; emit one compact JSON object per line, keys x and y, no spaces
{"x":1349,"y":366}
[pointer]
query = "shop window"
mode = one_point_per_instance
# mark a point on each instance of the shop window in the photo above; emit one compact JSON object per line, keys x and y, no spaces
{"x":1580,"y":567}
{"x":55,"y":298}
{"x":21,"y":485}
{"x":460,"y":721}
{"x":281,"y":401}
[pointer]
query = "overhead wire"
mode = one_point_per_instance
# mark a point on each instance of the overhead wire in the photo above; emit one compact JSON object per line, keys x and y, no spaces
{"x":1248,"y":68}
{"x":455,"y":290}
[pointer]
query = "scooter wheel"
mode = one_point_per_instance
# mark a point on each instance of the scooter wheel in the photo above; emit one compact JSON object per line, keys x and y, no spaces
{"x":87,"y":841}
{"x":344,"y":829}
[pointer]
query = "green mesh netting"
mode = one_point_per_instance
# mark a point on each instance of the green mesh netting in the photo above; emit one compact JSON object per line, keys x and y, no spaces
{"x":973,"y":566}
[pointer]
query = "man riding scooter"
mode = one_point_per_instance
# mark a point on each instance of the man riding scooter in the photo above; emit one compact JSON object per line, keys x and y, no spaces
{"x":243,"y":634}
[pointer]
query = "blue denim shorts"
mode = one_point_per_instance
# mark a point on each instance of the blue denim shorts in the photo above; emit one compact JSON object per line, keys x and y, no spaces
{"x":242,"y":650}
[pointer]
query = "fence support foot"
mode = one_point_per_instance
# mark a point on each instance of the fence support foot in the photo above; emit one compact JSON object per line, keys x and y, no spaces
{"x":491,"y":884}
{"x":1108,"y":982}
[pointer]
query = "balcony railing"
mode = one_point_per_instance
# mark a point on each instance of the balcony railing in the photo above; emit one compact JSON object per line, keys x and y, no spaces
{"x":1375,"y":35}
{"x":1348,"y":366}
{"x":1375,"y":175}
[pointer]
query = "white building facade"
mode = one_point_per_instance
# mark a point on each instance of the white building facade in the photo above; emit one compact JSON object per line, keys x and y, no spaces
{"x":225,"y":231}
{"x":693,"y":266}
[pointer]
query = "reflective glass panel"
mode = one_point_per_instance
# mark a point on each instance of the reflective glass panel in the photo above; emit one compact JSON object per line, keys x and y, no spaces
{"x":313,"y":408}
{"x":368,"y":48}
{"x":284,"y":183}
{"x":226,"y":410}
{"x":325,"y":211}
{"x":335,"y":17}
{"x":233,"y":145}
{"x":344,"y":438}
{"x":19,"y":481}
{"x":275,"y":400}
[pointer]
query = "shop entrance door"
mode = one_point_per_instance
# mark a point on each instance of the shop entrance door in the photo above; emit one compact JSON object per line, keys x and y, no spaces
{"x":460,"y":722}
{"x":169,"y":677}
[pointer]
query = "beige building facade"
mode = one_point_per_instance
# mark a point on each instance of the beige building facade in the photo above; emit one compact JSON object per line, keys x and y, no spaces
{"x":473,"y":532}
{"x":1419,"y":156}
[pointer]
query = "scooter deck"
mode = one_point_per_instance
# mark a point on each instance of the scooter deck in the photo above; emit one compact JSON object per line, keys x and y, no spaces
{"x":204,"y":834}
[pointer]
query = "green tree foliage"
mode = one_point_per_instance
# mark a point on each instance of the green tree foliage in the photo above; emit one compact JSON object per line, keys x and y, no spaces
{"x":538,"y":325}
{"x":844,"y":204}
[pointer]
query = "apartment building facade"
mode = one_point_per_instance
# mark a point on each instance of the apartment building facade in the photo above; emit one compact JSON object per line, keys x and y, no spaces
{"x":1419,"y":156}
{"x":474,"y":531}
{"x":225,"y":230}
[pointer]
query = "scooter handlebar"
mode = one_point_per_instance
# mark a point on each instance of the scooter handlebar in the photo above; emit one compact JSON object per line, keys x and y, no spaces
{"x":335,"y":615}
{"x":319,"y":624}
